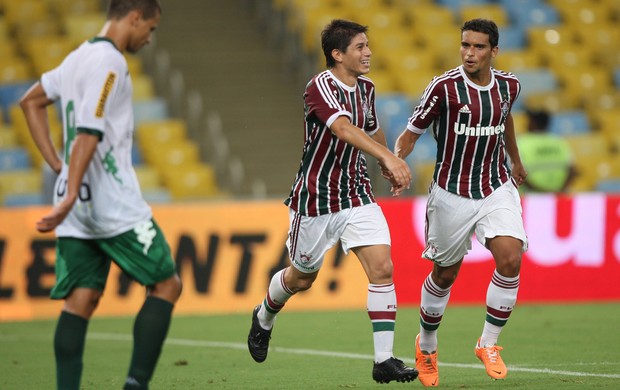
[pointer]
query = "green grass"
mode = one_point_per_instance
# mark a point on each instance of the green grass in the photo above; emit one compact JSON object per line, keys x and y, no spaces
{"x":545,"y":347}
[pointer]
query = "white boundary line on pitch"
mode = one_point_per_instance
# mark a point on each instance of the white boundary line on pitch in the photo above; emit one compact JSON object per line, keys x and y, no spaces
{"x":314,"y":352}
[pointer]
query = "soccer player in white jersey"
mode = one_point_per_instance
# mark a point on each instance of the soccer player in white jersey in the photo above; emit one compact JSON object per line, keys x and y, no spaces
{"x":99,"y":213}
{"x":474,"y":189}
{"x":331,"y":198}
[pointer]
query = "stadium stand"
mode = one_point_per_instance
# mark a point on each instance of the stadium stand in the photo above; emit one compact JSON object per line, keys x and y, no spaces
{"x":35,"y":36}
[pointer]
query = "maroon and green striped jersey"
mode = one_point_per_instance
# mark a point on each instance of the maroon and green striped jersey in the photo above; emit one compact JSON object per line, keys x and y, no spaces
{"x":332,"y":174}
{"x":468,"y":123}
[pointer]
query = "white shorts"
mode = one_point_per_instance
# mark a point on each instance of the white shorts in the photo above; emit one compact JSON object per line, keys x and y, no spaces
{"x":309,"y":238}
{"x":452,"y":219}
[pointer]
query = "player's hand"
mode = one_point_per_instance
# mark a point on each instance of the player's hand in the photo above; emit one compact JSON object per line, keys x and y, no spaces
{"x":49,"y":222}
{"x":519,"y":173}
{"x":396,"y":171}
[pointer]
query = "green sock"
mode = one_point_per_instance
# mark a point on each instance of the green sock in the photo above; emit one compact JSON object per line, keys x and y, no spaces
{"x":149,"y":332}
{"x":69,"y":341}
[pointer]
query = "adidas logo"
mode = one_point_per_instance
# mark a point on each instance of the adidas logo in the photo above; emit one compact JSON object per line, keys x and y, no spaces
{"x":465,"y":110}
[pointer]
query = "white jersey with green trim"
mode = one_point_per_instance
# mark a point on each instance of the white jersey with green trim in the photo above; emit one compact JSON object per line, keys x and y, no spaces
{"x":95,"y":92}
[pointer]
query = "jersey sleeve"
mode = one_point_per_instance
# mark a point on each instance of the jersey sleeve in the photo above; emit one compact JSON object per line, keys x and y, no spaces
{"x":370,"y":111}
{"x":322,"y":101}
{"x":429,"y":108}
{"x":51,"y":84}
{"x":100,"y":87}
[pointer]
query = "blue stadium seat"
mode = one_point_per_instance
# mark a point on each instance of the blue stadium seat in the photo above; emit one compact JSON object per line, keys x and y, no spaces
{"x":393,"y":111}
{"x":10,"y":95}
{"x":154,"y":109}
{"x":136,"y":154}
{"x":535,"y":15}
{"x":455,"y":5}
{"x":610,"y":185}
{"x":617,"y":77}
{"x":512,"y":7}
{"x":511,"y":38}
{"x":536,"y":81}
{"x":569,"y":123}
{"x":23,"y":200}
{"x":425,"y":150}
{"x":14,"y":158}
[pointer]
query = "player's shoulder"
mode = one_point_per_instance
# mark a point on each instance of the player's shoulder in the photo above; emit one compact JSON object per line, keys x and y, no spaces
{"x":103,"y":53}
{"x":501,"y":74}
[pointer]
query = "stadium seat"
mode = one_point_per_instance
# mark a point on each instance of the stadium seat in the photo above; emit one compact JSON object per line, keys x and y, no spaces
{"x":545,"y":38}
{"x":511,"y":38}
{"x":482,"y":9}
{"x":191,"y":182}
{"x":569,"y":123}
{"x":536,"y":81}
{"x":143,"y":87}
{"x":588,"y":144}
{"x":516,"y":60}
{"x":534,"y":15}
{"x":601,"y":102}
{"x":172,"y":155}
{"x":148,"y":177}
{"x":147,"y":110}
{"x":611,"y":186}
{"x":409,"y":61}
{"x":14,"y":70}
{"x":85,"y":27}
{"x":585,"y":81}
{"x":423,"y":176}
{"x":384,"y":80}
{"x":457,"y":5}
{"x":47,"y":52}
{"x":17,"y":182}
{"x":617,"y":77}
{"x":413,"y":85}
{"x":425,"y":16}
{"x":552,"y":101}
{"x":14,"y":158}
{"x":583,"y":14}
{"x":425,"y":149}
{"x":393,"y":110}
{"x":161,"y":132}
{"x":10,"y":95}
{"x":8,"y":138}
{"x":25,"y":11}
{"x":23,"y":200}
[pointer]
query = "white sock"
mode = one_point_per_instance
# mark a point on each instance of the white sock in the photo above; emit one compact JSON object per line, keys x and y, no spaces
{"x":382,"y":312}
{"x":501,"y":299}
{"x":276,"y":297}
{"x":433,"y":303}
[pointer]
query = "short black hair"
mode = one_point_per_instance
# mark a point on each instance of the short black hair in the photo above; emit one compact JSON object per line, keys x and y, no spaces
{"x":117,"y":9}
{"x":537,"y":119}
{"x":338,"y":35}
{"x":484,"y":26}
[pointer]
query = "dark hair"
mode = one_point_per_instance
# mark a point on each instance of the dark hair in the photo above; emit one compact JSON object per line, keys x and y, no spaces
{"x":538,"y":120}
{"x":118,"y":9}
{"x":484,"y":26}
{"x":338,"y":35}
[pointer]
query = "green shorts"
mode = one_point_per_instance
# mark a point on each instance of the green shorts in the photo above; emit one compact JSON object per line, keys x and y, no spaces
{"x":142,"y":253}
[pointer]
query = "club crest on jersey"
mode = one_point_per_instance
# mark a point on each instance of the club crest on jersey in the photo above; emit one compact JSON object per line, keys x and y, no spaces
{"x":370,"y":118}
{"x":505,"y":107}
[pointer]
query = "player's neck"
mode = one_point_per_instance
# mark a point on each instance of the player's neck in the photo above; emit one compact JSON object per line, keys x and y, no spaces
{"x":345,"y":76}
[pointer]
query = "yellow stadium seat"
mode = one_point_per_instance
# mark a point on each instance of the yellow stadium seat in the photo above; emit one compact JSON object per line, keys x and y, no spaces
{"x":172,"y":154}
{"x":24,"y":11}
{"x":414,"y":84}
{"x":15,"y":70}
{"x":544,"y":38}
{"x":20,"y":182}
{"x":8,"y":137}
{"x":599,"y":37}
{"x":19,"y":125}
{"x":47,"y":52}
{"x":494,"y":12}
{"x":520,"y":121}
{"x":553,"y":101}
{"x":378,"y":17}
{"x":583,"y":14}
{"x":409,"y":61}
{"x":26,"y":30}
{"x":586,"y":145}
{"x":585,"y":81}
{"x":607,"y":122}
{"x":161,"y":132}
{"x":71,"y":8}
{"x":442,"y":43}
{"x":310,"y":22}
{"x":191,"y":181}
{"x":383,"y":80}
{"x":134,"y":63}
{"x":424,"y":16}
{"x":143,"y":87}
{"x":85,"y":27}
{"x":562,"y":57}
{"x":515,"y":60}
{"x":7,"y":49}
{"x":423,"y":177}
{"x":148,"y":177}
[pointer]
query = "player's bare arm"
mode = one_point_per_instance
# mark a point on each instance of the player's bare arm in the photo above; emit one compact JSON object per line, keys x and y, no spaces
{"x":405,"y":143}
{"x":518,"y":170}
{"x":398,"y":168}
{"x":34,"y":105}
{"x":82,"y":152}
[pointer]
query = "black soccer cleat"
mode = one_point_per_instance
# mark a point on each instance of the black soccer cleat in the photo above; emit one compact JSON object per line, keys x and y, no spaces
{"x":258,"y":339}
{"x":393,"y":370}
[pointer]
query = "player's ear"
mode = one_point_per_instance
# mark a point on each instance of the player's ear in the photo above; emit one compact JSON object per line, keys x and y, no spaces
{"x":135,"y":16}
{"x":337,"y":55}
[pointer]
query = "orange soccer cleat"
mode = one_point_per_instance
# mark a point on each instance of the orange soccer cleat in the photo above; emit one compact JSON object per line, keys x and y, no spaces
{"x":493,"y":362}
{"x":426,"y":364}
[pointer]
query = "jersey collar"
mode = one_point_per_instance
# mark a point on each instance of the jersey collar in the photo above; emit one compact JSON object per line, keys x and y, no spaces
{"x":476,"y":86}
{"x":102,"y":39}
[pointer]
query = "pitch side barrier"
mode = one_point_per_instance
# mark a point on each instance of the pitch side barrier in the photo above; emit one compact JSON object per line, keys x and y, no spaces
{"x":227,"y":252}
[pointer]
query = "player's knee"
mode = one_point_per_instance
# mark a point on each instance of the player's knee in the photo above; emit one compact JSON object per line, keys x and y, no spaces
{"x":510,"y":265}
{"x":169,"y":289}
{"x":381,"y":271}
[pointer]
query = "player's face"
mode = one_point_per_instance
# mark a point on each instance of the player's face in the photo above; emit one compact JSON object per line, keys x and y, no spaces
{"x":142,"y":33}
{"x":476,"y":53}
{"x":357,"y":57}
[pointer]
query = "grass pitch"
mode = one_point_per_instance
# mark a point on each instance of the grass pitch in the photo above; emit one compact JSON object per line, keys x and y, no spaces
{"x":547,"y":347}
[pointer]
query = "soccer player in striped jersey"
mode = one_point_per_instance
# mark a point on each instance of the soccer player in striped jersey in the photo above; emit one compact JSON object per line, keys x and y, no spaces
{"x":474,"y":190}
{"x":331,"y":198}
{"x":99,"y":212}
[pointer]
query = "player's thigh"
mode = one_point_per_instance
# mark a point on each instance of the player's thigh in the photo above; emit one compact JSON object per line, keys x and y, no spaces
{"x":365,"y":226}
{"x":143,"y":253}
{"x":309,"y":238}
{"x":450,"y":221}
{"x":79,"y":264}
{"x":501,"y":215}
